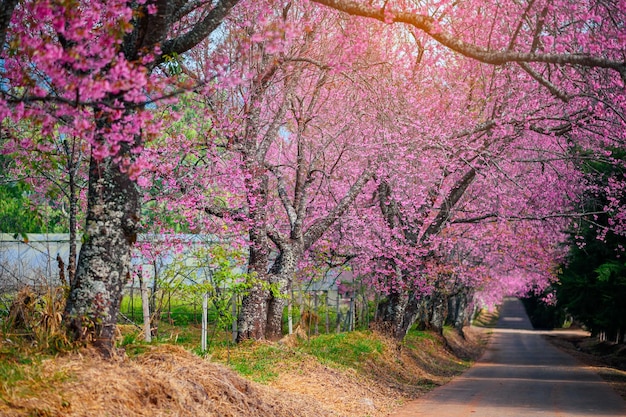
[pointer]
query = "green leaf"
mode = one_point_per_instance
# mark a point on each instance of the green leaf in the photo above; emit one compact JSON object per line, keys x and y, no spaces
{"x":606,"y":270}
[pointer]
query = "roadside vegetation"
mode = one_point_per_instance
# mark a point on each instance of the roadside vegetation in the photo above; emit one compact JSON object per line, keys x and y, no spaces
{"x":357,"y":373}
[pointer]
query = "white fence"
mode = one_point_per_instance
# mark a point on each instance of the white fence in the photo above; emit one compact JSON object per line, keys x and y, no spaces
{"x":31,"y":260}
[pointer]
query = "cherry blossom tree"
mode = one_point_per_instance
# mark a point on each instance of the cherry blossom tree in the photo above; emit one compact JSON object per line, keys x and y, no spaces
{"x":423,"y":199}
{"x":573,"y":53}
{"x":292,"y":144}
{"x":94,"y":66}
{"x":408,"y":140}
{"x":54,"y":167}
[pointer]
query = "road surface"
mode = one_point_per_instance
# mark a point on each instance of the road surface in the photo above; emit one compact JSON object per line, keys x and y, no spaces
{"x":520,"y":375}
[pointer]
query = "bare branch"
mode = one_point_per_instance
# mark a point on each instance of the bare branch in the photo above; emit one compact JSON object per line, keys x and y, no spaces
{"x":554,"y":90}
{"x":493,"y":217}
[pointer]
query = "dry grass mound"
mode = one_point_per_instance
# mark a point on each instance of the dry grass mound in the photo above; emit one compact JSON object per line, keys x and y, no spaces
{"x":166,"y":381}
{"x":370,"y":377}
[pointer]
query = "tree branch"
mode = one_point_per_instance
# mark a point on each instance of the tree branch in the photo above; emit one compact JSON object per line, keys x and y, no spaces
{"x":275,"y":236}
{"x":317,"y":229}
{"x":200,"y":30}
{"x":237,"y":215}
{"x":453,"y":197}
{"x":282,"y":194}
{"x":493,"y":217}
{"x":554,"y":90}
{"x":429,"y":25}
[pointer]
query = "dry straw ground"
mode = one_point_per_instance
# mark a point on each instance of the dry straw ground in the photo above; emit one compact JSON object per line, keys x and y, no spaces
{"x":168,"y":380}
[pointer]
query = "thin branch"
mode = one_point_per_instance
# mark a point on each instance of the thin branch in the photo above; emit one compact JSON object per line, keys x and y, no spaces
{"x":554,"y":90}
{"x":520,"y":24}
{"x":317,"y":229}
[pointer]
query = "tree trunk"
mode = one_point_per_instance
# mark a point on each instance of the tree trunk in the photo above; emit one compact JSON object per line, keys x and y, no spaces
{"x":252,"y":318}
{"x":438,"y":312}
{"x":276,"y":306}
{"x":453,"y":309}
{"x":282,"y":273}
{"x":73,"y":197}
{"x":397,"y":314}
{"x":462,"y":310}
{"x":425,"y":312}
{"x":103,"y":265}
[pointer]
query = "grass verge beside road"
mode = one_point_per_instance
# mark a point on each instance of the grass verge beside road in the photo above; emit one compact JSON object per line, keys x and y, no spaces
{"x":346,"y":374}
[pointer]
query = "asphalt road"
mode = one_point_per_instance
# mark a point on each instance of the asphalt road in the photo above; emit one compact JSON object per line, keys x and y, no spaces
{"x":520,"y":375}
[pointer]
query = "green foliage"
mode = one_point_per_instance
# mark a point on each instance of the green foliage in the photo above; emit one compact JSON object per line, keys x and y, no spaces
{"x":172,"y":64}
{"x":593,"y":282}
{"x":220,"y":280}
{"x":542,"y":315}
{"x":212,"y":270}
{"x":609,"y":269}
{"x":18,"y":214}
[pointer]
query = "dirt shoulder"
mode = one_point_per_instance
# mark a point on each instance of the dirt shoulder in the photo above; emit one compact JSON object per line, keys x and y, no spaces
{"x":608,"y":360}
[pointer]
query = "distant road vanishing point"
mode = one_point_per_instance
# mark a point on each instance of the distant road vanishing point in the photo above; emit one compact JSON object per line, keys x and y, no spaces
{"x":520,"y":375}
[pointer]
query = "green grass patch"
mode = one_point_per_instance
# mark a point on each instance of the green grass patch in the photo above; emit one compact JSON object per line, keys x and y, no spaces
{"x":415,"y":339}
{"x":344,"y":349}
{"x":174,"y":310}
{"x":415,"y":333}
{"x":258,"y":362}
